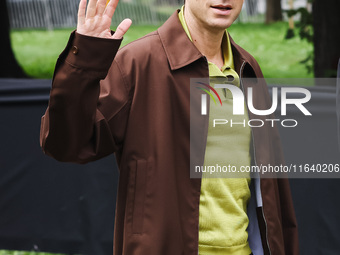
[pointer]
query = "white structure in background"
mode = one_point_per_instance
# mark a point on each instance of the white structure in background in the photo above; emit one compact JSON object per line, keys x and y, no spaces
{"x":254,"y":10}
{"x":51,"y":14}
{"x":261,"y":5}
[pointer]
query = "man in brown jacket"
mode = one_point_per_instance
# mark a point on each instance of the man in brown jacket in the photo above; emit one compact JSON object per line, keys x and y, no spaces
{"x":135,"y":103}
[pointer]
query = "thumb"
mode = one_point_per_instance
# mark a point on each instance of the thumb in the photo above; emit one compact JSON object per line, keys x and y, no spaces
{"x":122,"y":28}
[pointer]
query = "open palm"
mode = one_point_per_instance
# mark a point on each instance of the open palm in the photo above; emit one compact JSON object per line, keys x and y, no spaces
{"x":96,"y":20}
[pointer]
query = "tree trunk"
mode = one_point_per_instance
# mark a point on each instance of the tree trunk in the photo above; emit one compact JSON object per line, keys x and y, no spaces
{"x":9,"y":67}
{"x":326,"y":23}
{"x":273,"y":11}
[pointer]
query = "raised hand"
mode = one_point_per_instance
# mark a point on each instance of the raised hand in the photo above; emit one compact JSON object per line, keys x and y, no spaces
{"x":96,"y":21}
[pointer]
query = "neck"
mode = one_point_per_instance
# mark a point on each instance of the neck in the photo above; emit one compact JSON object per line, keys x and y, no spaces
{"x":207,"y":41}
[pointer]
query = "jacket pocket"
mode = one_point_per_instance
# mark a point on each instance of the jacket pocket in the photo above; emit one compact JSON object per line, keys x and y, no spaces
{"x":140,"y":180}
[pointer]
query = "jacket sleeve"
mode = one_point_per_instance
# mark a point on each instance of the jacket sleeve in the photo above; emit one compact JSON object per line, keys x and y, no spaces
{"x":86,"y":115}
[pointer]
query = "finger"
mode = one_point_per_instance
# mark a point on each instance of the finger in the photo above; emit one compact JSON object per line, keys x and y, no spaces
{"x":110,"y":8}
{"x":122,"y":28}
{"x":81,"y":12}
{"x":91,"y":9}
{"x":101,"y":4}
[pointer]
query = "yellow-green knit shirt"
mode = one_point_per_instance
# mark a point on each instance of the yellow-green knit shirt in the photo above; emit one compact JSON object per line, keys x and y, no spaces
{"x":223,"y":219}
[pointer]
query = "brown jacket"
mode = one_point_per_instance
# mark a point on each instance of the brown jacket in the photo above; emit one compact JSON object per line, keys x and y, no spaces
{"x":136,"y":105}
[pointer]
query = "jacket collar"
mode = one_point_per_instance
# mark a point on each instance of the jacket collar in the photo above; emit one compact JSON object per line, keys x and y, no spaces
{"x":181,"y":52}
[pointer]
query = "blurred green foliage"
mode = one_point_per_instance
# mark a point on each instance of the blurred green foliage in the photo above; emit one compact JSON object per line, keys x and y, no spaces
{"x":305,"y":31}
{"x":5,"y":252}
{"x":37,"y":50}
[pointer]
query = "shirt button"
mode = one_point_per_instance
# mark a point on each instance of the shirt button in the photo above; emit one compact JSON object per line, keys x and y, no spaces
{"x":75,"y":50}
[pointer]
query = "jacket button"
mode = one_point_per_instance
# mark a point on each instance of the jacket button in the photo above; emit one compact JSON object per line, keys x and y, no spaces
{"x":75,"y":50}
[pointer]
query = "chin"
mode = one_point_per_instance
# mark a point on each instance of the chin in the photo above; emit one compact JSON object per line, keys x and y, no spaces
{"x":222,"y":25}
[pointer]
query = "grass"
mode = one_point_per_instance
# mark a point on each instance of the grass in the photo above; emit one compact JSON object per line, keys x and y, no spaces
{"x":37,"y":50}
{"x":278,"y":58}
{"x":5,"y":252}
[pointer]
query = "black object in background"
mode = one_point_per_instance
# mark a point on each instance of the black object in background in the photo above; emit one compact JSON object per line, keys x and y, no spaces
{"x":338,"y":101}
{"x":46,"y":205}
